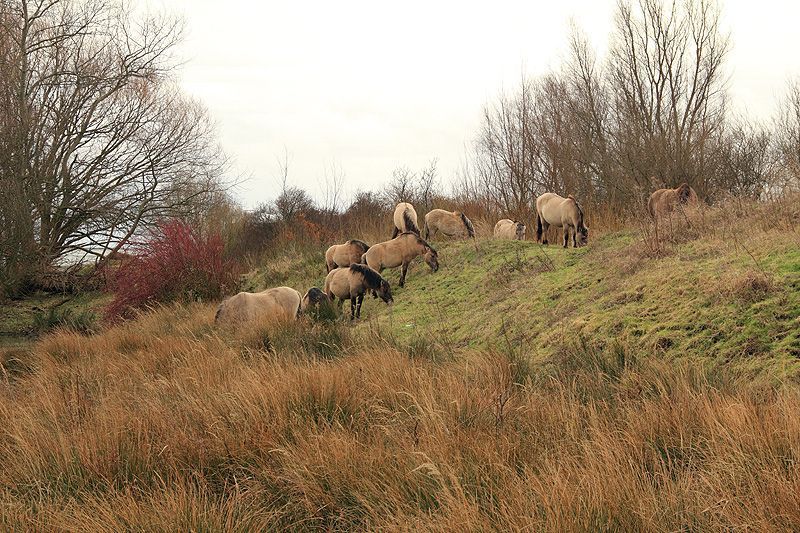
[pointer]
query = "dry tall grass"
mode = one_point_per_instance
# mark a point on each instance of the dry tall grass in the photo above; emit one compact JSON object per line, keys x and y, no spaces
{"x":166,"y":424}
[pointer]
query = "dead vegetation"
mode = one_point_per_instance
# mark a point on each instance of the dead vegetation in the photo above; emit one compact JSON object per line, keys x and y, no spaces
{"x":164,"y":423}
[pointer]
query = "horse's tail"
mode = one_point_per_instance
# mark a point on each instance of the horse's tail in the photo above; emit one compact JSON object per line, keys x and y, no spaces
{"x":427,"y":230}
{"x":409,"y":222}
{"x":218,"y":313}
{"x":539,"y":228}
{"x":326,"y":288}
{"x":468,"y":225}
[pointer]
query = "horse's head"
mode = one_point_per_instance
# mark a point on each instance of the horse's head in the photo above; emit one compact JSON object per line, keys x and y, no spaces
{"x":520,"y":231}
{"x":384,"y":291}
{"x":583,"y":236}
{"x":432,"y":258}
{"x":313,"y":298}
{"x":684,"y":192}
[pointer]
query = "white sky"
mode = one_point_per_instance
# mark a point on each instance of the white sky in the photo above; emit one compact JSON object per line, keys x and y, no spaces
{"x":370,"y":86}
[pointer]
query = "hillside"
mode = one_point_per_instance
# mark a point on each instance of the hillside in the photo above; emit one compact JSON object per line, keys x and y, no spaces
{"x":635,"y":384}
{"x":730,"y":296}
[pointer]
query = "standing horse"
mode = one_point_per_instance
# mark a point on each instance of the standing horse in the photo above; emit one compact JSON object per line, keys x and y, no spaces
{"x":400,"y":251}
{"x":405,"y":219}
{"x":452,"y":224}
{"x":664,"y":201}
{"x":509,"y":229}
{"x":352,"y":282}
{"x":344,"y":255}
{"x":552,"y":209}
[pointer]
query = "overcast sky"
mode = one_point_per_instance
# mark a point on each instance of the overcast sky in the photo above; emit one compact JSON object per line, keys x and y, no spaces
{"x":366,"y":87}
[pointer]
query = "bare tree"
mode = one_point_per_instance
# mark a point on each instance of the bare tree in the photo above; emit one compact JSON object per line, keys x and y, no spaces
{"x":787,"y":142}
{"x":103,"y":143}
{"x":401,"y":187}
{"x":666,"y":78}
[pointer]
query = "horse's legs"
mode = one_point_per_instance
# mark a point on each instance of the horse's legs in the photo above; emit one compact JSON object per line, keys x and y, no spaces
{"x":403,"y":275}
{"x":353,"y":307}
{"x":566,"y":235}
{"x":358,"y":307}
{"x":575,"y":238}
{"x":545,"y":227}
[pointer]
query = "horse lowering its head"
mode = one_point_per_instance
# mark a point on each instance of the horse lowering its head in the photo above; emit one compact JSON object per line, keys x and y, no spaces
{"x":405,"y":219}
{"x":313,"y":299}
{"x":664,"y":201}
{"x":509,"y":229}
{"x":400,"y":251}
{"x":352,"y":282}
{"x":552,"y":209}
{"x":343,"y":255}
{"x":453,"y":224}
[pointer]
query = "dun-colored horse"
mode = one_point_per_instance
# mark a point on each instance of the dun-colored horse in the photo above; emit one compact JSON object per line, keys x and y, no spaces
{"x":452,"y":224}
{"x":509,"y":229}
{"x":405,"y":219}
{"x":279,"y":303}
{"x":400,"y":251}
{"x":352,"y":282}
{"x":555,"y":210}
{"x":664,"y":201}
{"x":344,"y":255}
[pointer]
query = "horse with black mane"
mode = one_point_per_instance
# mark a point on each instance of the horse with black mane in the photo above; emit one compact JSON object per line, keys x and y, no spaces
{"x":555,"y":210}
{"x":453,"y":224}
{"x":350,"y":283}
{"x":664,"y":201}
{"x":400,"y":251}
{"x":509,"y":229}
{"x":344,"y":255}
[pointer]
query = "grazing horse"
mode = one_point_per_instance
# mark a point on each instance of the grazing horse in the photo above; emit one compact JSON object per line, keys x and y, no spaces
{"x":509,"y":229}
{"x":664,"y":201}
{"x":405,"y":219}
{"x":552,"y":209}
{"x":352,"y":282}
{"x":400,"y":251}
{"x":279,"y":303}
{"x":344,"y":255}
{"x":452,"y":224}
{"x":314,"y":299}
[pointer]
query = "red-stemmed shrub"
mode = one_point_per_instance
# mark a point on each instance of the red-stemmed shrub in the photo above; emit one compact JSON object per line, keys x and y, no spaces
{"x":177,"y":263}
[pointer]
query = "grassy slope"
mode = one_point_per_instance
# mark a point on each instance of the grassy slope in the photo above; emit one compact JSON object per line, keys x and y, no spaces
{"x":706,"y":298}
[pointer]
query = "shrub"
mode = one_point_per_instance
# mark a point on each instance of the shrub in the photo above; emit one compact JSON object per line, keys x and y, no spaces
{"x":178,"y":263}
{"x":82,"y":321}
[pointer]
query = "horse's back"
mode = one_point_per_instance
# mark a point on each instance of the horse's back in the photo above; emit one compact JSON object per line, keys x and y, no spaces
{"x":503,"y":228}
{"x":660,"y":201}
{"x":550,"y":206}
{"x":278,"y":302}
{"x":405,"y":217}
